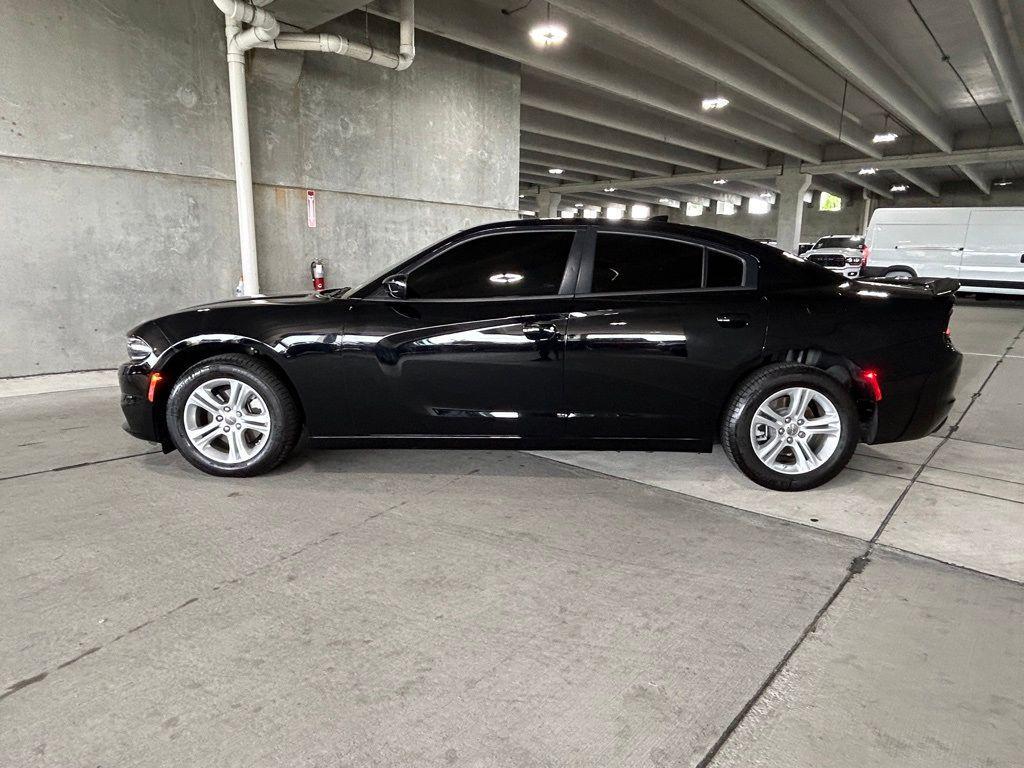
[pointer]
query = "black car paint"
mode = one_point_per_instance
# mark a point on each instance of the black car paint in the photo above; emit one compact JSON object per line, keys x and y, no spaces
{"x":368,"y":369}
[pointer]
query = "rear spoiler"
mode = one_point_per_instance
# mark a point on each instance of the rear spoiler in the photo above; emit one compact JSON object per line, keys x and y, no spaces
{"x":938,"y":286}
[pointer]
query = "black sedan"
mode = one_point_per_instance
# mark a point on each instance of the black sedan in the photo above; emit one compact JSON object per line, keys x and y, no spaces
{"x":558,"y":334}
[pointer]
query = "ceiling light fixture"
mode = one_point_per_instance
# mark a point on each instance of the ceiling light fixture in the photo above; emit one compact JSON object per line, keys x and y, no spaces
{"x":898,"y":188}
{"x":719,"y":181}
{"x":885,"y":138}
{"x":1002,"y":183}
{"x":609,"y":189}
{"x":766,"y":195}
{"x":867,"y":171}
{"x":548,"y":33}
{"x":579,"y":205}
{"x":715,"y":102}
{"x":556,"y":171}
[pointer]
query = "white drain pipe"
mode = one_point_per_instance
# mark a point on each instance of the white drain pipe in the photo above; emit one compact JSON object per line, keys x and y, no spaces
{"x":264,"y":31}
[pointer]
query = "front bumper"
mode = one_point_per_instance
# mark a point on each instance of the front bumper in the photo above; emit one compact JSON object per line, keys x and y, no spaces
{"x":851,"y":271}
{"x":139,"y":414}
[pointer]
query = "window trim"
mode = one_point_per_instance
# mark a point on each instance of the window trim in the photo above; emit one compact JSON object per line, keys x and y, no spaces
{"x":586,"y":279}
{"x":565,"y":289}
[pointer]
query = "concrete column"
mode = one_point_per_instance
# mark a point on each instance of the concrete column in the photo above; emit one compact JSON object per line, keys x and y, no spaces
{"x":870,"y":203}
{"x":790,"y":203}
{"x":547,"y":204}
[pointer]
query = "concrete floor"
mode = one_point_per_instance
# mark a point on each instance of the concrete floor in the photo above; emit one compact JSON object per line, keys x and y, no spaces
{"x":396,"y":608}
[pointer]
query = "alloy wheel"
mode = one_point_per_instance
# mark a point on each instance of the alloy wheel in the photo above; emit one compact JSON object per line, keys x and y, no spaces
{"x":795,"y":430}
{"x":227,"y":421}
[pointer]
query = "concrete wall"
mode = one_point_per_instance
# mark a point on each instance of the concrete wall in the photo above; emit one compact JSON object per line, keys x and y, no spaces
{"x":117,"y":200}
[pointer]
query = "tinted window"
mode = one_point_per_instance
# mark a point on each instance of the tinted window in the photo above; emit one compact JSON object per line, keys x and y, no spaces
{"x":495,"y":266}
{"x":840,"y":242}
{"x":640,"y":263}
{"x":724,"y":271}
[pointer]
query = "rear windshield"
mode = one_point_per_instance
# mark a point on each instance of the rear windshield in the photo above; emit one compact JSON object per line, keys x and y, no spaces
{"x":840,"y":242}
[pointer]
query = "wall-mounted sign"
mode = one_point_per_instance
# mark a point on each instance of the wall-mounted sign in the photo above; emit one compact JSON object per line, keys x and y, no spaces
{"x":310,"y":208}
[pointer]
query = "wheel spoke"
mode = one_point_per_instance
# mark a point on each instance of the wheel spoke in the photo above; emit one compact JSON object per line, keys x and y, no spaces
{"x":806,"y":459}
{"x":256,"y":423}
{"x":826,"y":425}
{"x":765,"y":415}
{"x":202,"y":436}
{"x":769,"y":452}
{"x":801,"y":398}
{"x":237,"y":449}
{"x":206,"y":400}
{"x":235,"y":389}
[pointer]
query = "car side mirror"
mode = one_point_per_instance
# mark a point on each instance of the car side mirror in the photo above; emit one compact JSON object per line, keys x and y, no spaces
{"x":396,"y":286}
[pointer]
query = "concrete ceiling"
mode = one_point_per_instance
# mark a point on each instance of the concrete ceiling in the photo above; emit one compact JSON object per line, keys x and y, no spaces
{"x":810,"y":79}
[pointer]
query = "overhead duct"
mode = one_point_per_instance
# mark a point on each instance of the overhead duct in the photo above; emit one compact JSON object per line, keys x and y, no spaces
{"x":262,"y":30}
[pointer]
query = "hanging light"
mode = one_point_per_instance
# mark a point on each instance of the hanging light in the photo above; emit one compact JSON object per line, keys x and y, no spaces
{"x":886,"y":136}
{"x":556,"y":171}
{"x":714,"y":102}
{"x":1002,"y":183}
{"x":867,"y":171}
{"x":609,"y":189}
{"x":898,"y":188}
{"x":719,"y":181}
{"x":548,"y":33}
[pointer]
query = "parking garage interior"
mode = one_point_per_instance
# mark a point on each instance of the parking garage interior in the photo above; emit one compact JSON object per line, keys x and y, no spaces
{"x":491,"y":607}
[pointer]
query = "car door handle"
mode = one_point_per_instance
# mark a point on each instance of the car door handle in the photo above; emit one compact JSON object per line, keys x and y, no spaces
{"x":733,"y":321}
{"x":540,"y":331}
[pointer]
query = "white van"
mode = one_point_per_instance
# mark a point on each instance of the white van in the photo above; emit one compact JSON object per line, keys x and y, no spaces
{"x":983,"y":248}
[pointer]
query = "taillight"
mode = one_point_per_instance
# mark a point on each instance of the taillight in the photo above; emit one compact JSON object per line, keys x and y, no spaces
{"x":864,"y":252}
{"x":871,"y":378}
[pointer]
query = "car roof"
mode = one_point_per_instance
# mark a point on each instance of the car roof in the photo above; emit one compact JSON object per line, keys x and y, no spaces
{"x":639,"y":226}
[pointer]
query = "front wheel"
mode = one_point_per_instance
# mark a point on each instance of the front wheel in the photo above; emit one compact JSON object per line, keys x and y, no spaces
{"x":790,"y":427}
{"x":232,"y":415}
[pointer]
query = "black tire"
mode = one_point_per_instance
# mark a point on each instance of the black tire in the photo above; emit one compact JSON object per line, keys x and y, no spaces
{"x":901,"y":274}
{"x":754,"y":390}
{"x":285,"y":418}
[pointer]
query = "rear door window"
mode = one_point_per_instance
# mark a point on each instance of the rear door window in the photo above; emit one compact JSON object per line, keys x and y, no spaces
{"x":640,"y":263}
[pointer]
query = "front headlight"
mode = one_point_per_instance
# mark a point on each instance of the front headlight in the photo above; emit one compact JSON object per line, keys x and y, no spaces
{"x":138,"y":349}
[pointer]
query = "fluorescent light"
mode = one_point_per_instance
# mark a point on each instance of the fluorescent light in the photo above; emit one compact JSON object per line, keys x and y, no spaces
{"x":716,"y":102}
{"x":885,"y":138}
{"x":867,"y":171}
{"x":527,"y":213}
{"x":1002,"y":183}
{"x":578,"y":205}
{"x":898,"y":188}
{"x":719,"y":181}
{"x":521,"y":197}
{"x":766,"y":195}
{"x":548,"y":34}
{"x":556,"y":171}
{"x":609,"y":189}
{"x":758,"y":206}
{"x":669,"y":202}
{"x":639,"y":211}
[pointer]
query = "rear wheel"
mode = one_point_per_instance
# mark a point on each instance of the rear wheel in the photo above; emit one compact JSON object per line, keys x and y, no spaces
{"x":790,"y":427}
{"x":232,"y":415}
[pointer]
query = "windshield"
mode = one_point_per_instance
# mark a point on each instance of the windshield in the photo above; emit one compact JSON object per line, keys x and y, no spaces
{"x":839,"y":242}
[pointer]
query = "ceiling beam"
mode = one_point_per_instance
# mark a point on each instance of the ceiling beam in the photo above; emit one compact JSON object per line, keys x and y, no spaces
{"x":995,"y":28}
{"x":558,"y":126}
{"x":981,"y":180}
{"x":580,"y":151}
{"x":662,"y":31}
{"x":476,"y":24}
{"x":541,"y":170}
{"x":868,"y":183}
{"x":895,"y":162}
{"x":698,"y":190}
{"x":821,"y":28}
{"x":918,"y":180}
{"x":581,"y":166}
{"x":556,"y":95}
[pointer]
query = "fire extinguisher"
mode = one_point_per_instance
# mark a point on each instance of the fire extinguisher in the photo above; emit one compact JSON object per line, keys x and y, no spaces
{"x":316,"y":271}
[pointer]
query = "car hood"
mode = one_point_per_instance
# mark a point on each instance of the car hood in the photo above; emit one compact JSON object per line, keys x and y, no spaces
{"x":261,"y":301}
